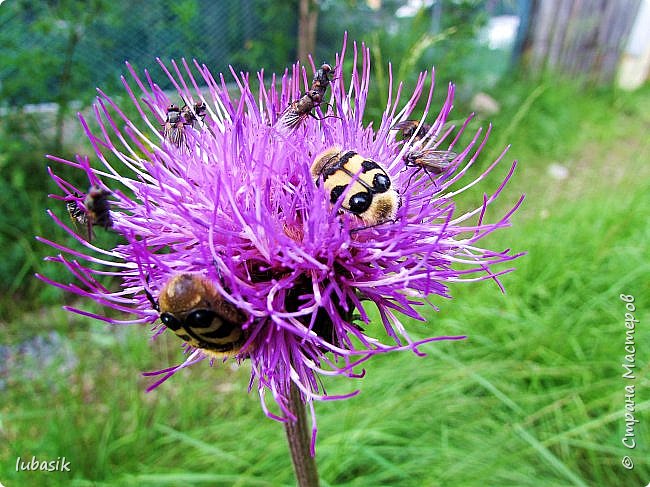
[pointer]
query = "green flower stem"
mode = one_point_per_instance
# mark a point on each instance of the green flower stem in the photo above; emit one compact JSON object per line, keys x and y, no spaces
{"x":298,"y":437}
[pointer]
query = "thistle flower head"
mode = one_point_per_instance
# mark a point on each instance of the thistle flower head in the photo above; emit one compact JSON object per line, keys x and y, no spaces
{"x":230,"y":239}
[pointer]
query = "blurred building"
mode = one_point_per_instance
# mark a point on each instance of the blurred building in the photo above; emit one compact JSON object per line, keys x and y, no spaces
{"x":635,"y":62}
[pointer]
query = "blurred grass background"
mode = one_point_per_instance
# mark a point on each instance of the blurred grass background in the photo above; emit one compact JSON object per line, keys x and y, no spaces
{"x":533,"y":397}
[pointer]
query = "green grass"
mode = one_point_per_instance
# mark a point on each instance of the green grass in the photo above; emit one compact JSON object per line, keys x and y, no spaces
{"x":533,"y":397}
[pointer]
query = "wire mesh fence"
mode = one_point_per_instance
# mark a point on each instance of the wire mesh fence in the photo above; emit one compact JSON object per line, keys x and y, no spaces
{"x":48,"y":48}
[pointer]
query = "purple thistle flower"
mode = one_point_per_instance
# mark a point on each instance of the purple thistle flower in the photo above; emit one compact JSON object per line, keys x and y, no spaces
{"x":235,"y":204}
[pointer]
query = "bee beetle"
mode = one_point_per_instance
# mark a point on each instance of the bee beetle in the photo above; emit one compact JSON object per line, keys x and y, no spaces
{"x":369,"y":192}
{"x":191,"y":307}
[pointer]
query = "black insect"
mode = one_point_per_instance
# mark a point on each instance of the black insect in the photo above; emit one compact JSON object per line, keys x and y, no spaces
{"x":409,"y":127}
{"x":322,"y":79}
{"x":178,"y":119}
{"x":95,"y":211}
{"x":79,"y":216}
{"x":174,"y":126}
{"x":192,"y":115}
{"x":98,"y":207}
{"x":428,"y":160}
{"x":298,"y":110}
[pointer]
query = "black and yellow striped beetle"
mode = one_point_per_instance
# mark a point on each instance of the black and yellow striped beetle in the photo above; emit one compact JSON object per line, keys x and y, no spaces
{"x":371,"y":196}
{"x":191,"y":307}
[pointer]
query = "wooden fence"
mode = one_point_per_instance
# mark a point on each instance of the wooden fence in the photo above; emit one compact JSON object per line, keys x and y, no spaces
{"x":579,"y":37}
